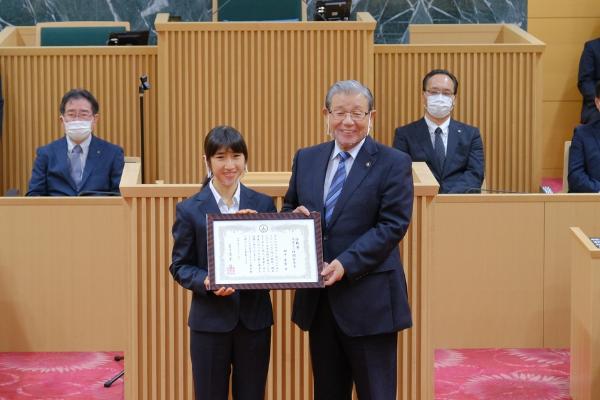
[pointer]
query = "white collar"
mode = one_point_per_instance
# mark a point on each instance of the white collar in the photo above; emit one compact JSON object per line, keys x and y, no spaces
{"x":85,"y":145}
{"x":219,"y":199}
{"x":353,"y":151}
{"x":432,"y":125}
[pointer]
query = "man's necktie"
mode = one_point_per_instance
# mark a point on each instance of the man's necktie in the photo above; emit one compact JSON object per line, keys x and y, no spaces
{"x":336,"y":186}
{"x":440,"y":151}
{"x":76,"y":170}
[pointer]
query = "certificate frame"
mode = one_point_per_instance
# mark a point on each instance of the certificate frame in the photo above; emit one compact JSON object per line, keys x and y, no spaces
{"x":310,"y":245}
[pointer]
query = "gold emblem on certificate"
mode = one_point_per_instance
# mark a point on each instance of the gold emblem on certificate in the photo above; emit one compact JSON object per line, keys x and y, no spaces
{"x":264,"y":251}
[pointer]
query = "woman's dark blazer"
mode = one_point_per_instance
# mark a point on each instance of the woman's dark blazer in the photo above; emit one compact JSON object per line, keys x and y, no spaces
{"x":208,"y":312}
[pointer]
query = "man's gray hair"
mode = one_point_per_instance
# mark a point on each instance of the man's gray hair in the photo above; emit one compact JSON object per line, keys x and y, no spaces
{"x":348,"y":87}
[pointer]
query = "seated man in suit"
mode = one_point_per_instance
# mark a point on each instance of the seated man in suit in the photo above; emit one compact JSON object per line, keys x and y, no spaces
{"x":452,"y":150}
{"x":589,"y":76}
{"x":584,"y":155}
{"x":78,"y":163}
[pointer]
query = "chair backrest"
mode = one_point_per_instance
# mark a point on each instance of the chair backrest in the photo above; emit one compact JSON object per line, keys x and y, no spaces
{"x":263,"y":10}
{"x":77,"y":33}
{"x":12,"y":192}
{"x":132,"y":159}
{"x":566,"y":167}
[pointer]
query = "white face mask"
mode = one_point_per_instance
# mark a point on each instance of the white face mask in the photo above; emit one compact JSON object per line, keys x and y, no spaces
{"x":78,"y":131}
{"x":439,"y":105}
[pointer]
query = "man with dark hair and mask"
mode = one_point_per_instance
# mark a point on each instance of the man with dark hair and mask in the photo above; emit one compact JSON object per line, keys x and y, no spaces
{"x":452,"y":150}
{"x":79,"y":162}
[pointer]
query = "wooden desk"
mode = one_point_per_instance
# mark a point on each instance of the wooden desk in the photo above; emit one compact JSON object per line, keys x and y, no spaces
{"x":585,"y":317}
{"x":500,"y":274}
{"x":64,"y":274}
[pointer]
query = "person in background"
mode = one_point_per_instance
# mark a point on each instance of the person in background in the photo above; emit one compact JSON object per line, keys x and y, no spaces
{"x":452,"y":150}
{"x":79,"y":163}
{"x":588,"y":77}
{"x":584,"y":155}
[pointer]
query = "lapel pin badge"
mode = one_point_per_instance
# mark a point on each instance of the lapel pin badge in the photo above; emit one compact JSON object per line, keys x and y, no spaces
{"x":368,"y":164}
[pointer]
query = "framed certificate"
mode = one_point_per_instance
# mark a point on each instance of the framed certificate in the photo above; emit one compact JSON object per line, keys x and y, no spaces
{"x":264,"y":251}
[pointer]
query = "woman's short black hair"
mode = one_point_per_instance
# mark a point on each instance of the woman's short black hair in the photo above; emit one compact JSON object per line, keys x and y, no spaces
{"x":223,"y":137}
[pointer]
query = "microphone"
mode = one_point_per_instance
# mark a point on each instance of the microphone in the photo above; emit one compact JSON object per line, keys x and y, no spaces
{"x":97,"y":193}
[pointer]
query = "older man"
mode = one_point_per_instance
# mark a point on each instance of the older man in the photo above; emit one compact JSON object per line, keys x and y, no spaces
{"x":79,"y":163}
{"x":364,"y":192}
{"x":452,"y":150}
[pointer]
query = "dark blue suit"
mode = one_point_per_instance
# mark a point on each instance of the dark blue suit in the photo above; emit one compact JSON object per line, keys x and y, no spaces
{"x":584,"y":159}
{"x":51,"y":174}
{"x":463,"y":169}
{"x":369,"y":305}
{"x":219,"y":324}
{"x":589,"y":75}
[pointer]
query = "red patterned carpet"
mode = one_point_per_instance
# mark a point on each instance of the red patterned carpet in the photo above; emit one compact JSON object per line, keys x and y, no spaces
{"x":52,"y":376}
{"x":465,"y":374}
{"x":498,"y":374}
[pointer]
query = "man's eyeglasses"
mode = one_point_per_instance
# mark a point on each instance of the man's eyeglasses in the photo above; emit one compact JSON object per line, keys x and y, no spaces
{"x":431,"y":92}
{"x":81,"y":115}
{"x":354,"y":115}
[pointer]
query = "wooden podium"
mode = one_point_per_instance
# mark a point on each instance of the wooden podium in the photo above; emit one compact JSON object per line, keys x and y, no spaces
{"x":158,"y":363}
{"x":585,"y":317}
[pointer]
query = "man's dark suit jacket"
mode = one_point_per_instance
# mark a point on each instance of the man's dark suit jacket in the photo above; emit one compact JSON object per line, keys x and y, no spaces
{"x":370,"y":218}
{"x":51,"y":174}
{"x":189,"y":267}
{"x":584,"y":159}
{"x":589,"y":75}
{"x":463,"y":169}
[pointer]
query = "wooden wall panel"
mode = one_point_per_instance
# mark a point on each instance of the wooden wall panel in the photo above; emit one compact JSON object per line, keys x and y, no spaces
{"x":34,"y":80}
{"x":415,"y":358}
{"x":499,"y":92}
{"x":500,"y":269}
{"x":487,"y":273}
{"x":560,"y":216}
{"x":63,"y":274}
{"x":159,"y":365}
{"x":268,"y":80}
{"x":585,"y":319}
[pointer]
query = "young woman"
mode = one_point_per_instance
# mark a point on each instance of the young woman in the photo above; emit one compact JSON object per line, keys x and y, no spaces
{"x":229,"y":329}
